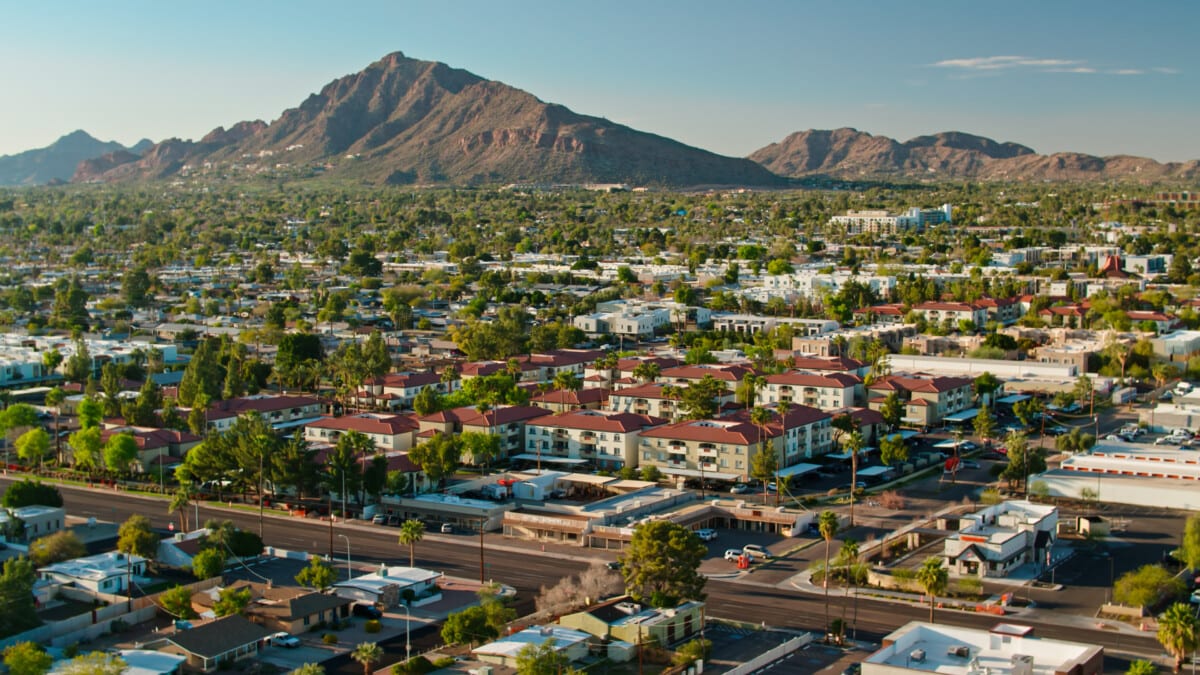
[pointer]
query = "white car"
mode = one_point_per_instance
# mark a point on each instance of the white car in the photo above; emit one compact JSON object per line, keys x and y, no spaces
{"x":285,"y":640}
{"x":756,"y":551}
{"x":733,"y":554}
{"x":739,"y":489}
{"x":706,"y":534}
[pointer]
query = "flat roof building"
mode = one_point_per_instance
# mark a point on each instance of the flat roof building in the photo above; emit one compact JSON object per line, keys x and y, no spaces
{"x":1005,"y":649}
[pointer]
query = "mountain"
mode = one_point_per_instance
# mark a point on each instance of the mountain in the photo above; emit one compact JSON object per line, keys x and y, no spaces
{"x":405,"y":121}
{"x":852,"y":153}
{"x":57,"y":161}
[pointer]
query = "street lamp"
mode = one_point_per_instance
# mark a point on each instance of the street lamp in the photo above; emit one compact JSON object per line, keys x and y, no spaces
{"x":349,"y":572}
{"x":407,"y":643}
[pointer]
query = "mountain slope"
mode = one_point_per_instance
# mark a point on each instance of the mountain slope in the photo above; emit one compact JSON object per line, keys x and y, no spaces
{"x":852,"y":153}
{"x":402,"y":120}
{"x":57,"y":161}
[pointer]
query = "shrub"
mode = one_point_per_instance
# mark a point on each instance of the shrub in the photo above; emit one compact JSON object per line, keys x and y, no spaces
{"x":444,"y":662}
{"x":372,"y":626}
{"x":418,"y":665}
{"x":329,"y":639}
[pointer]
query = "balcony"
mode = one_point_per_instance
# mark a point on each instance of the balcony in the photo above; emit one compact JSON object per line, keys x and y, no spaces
{"x":708,"y":466}
{"x":677,"y":449}
{"x":707,"y":451}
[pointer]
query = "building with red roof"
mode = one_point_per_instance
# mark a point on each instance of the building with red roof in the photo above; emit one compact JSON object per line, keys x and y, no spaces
{"x":819,"y":390}
{"x":927,"y":399}
{"x":609,"y":440}
{"x":388,"y":432}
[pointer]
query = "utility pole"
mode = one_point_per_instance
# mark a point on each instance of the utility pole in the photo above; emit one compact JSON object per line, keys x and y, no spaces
{"x":331,"y":527}
{"x":481,"y":579}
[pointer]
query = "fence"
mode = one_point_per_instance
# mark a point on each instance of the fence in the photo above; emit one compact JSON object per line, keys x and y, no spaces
{"x":771,"y":655}
{"x":92,"y":624}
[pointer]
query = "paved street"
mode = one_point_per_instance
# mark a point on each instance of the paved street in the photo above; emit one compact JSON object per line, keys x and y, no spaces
{"x":761,"y":596}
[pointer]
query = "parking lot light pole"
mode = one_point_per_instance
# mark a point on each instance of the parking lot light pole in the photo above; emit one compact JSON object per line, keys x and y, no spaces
{"x":407,"y":644}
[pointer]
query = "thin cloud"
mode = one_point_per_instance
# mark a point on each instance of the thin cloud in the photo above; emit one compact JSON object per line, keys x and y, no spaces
{"x":1004,"y":62}
{"x":984,"y":65}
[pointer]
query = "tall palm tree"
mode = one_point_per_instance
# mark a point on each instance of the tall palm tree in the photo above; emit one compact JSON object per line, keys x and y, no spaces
{"x":1179,"y":632}
{"x":849,"y":559}
{"x":180,"y":501}
{"x":411,"y":531}
{"x":827,"y":524}
{"x":367,"y":653}
{"x":854,"y":444}
{"x":759,"y":418}
{"x":933,"y":578}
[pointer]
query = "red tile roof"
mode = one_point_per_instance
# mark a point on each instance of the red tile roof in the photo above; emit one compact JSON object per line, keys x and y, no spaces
{"x":368,"y":423}
{"x":593,"y":420}
{"x":802,"y":379}
{"x":568,"y":397}
{"x":929,"y":385}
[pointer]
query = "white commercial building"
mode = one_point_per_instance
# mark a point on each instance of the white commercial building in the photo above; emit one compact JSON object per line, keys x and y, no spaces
{"x":1005,"y":649}
{"x":882,"y":222}
{"x":995,"y":540}
{"x":1127,"y":473}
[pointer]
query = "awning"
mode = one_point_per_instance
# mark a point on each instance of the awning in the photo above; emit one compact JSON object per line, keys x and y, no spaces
{"x":552,"y":459}
{"x":1013,"y":398}
{"x":692,"y":473}
{"x":964,"y":416}
{"x":796,"y":470}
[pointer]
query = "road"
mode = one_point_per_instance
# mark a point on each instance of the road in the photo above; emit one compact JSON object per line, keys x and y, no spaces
{"x":524,"y":566}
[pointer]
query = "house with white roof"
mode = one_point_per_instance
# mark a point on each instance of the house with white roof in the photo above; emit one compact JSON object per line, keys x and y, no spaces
{"x":102,"y":573}
{"x":572,"y":644}
{"x":388,"y":586}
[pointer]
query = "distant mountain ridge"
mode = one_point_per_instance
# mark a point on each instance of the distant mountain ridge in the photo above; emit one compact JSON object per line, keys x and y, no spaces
{"x":850,"y":153}
{"x":57,"y":161}
{"x":406,"y":121}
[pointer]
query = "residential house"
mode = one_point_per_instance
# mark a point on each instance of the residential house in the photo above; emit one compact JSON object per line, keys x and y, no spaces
{"x":607,"y":439}
{"x":571,"y":644}
{"x":281,"y":412}
{"x":283,"y":608}
{"x":389,"y":585}
{"x":655,"y":400}
{"x":388,"y":432}
{"x":563,"y":400}
{"x":818,"y":390}
{"x":927,"y":399}
{"x":102,"y":573}
{"x":623,"y":619}
{"x":953,"y":312}
{"x":396,"y":391}
{"x":38,"y":521}
{"x":165,"y":447}
{"x":226,"y":640}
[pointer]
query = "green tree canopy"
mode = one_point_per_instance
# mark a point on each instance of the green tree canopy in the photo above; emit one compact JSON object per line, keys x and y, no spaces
{"x":29,"y":492}
{"x":137,"y":537}
{"x":661,"y":565}
{"x":178,"y":602}
{"x":17,"y":610}
{"x":57,"y":547}
{"x":27,"y":658}
{"x":318,"y":575}
{"x":541,"y":659}
{"x":208,"y":563}
{"x":231,"y":601}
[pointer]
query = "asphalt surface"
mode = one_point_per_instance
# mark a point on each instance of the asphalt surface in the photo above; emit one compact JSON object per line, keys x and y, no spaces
{"x":526,"y":567}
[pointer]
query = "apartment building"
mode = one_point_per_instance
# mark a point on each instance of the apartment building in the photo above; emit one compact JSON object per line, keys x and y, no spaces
{"x":609,"y":440}
{"x":927,"y":399}
{"x":388,"y":432}
{"x":827,"y":391}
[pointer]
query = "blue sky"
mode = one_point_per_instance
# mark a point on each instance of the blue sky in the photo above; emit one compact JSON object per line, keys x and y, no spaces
{"x":1098,"y":77}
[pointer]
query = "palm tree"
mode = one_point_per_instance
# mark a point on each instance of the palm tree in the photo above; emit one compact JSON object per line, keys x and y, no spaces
{"x":759,"y":418}
{"x":827,"y":524}
{"x":647,"y":371}
{"x":854,"y":443}
{"x":1179,"y":632}
{"x":567,"y":380}
{"x":849,"y":561}
{"x":411,"y":531}
{"x":933,"y":578}
{"x":367,"y":653}
{"x":180,"y":501}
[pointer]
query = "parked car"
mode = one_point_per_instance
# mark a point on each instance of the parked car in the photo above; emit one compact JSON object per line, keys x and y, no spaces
{"x":614,"y":565}
{"x":1168,"y":440}
{"x":733,"y":554}
{"x":380,"y":519}
{"x":1195,"y":599}
{"x":706,"y":534}
{"x":447,"y":528}
{"x":366,"y":611}
{"x":739,"y":489}
{"x":1114,"y":437}
{"x":285,"y":640}
{"x":970,"y":464}
{"x":756,"y":551}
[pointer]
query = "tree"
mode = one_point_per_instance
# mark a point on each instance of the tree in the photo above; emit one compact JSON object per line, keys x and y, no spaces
{"x":438,"y":457}
{"x":1076,"y":441}
{"x":367,"y":653}
{"x":468,"y":626}
{"x":765,"y":462}
{"x":692,"y":651}
{"x":985,"y":424}
{"x":699,"y":399}
{"x":411,"y":532}
{"x":317,"y":575}
{"x":1189,"y":549}
{"x":120,"y":452}
{"x":27,"y":658}
{"x":933,"y":578}
{"x":827,"y":525}
{"x":135,"y":287}
{"x":854,"y":445}
{"x":892,"y":410}
{"x":482,"y":448}
{"x":311,"y":669}
{"x":208,"y":563}
{"x":18,"y":416}
{"x":31,"y":493}
{"x":178,"y":602}
{"x":17,"y":610}
{"x":1142,"y":667}
{"x":893,"y":449}
{"x":231,"y":601}
{"x":1028,"y":410}
{"x":93,"y":663}
{"x":136,"y":537}
{"x":1146,"y":586}
{"x":1023,"y":461}
{"x":986,"y":385}
{"x":90,"y":413}
{"x":427,"y":401}
{"x":57,"y":547}
{"x":1179,"y":632}
{"x":180,"y":501}
{"x":33,"y":445}
{"x":541,"y":659}
{"x":647,"y":371}
{"x":661,"y":565}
